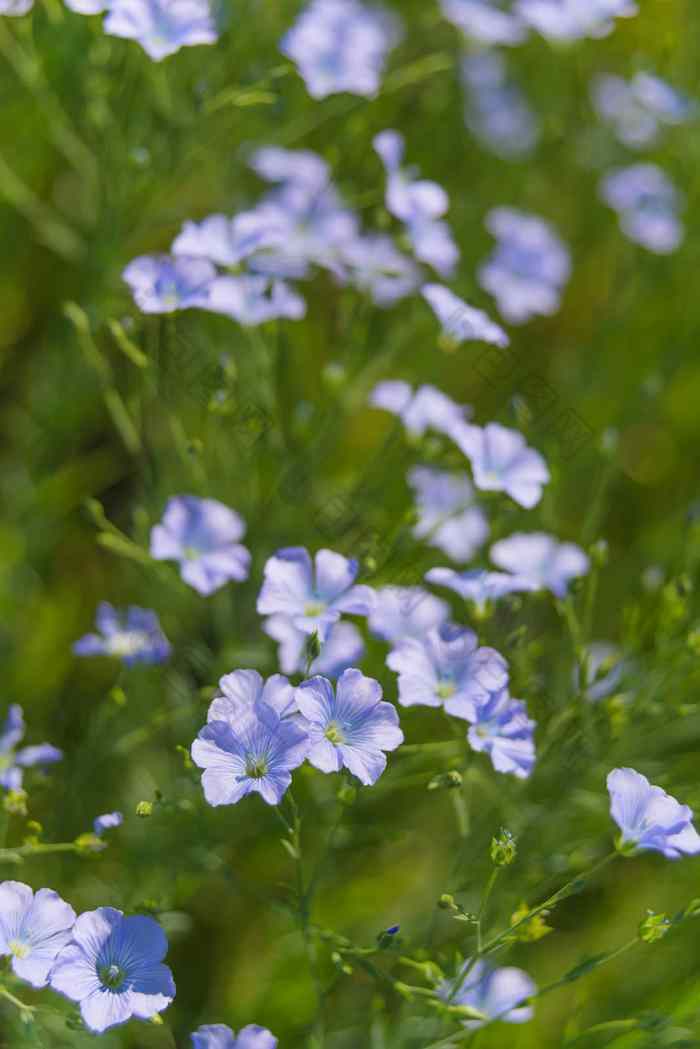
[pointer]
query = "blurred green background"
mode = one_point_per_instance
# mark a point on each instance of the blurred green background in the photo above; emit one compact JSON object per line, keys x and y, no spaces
{"x":103,"y":154}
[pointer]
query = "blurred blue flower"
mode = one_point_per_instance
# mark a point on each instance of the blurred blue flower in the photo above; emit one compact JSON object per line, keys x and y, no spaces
{"x":15,"y":8}
{"x":501,"y":728}
{"x":502,"y":461}
{"x":252,"y":751}
{"x":647,"y":204}
{"x":34,"y":927}
{"x":350,"y":728}
{"x":427,"y":408}
{"x":649,"y":818}
{"x":202,"y":535}
{"x":113,"y":968}
{"x":133,"y":636}
{"x":480,"y":585}
{"x":375,"y":265}
{"x":605,"y":669}
{"x":499,"y":994}
{"x":447,"y":668}
{"x":399,"y":612}
{"x":541,"y":560}
{"x":108,"y":821}
{"x":162,"y":27}
{"x":637,"y":108}
{"x":13,"y":761}
{"x":341,"y":45}
{"x":218,"y":1036}
{"x":312,"y":595}
{"x":252,"y":299}
{"x":528,"y":268}
{"x":164,"y":284}
{"x":342,"y":648}
{"x":488,"y":21}
{"x":447,"y":515}
{"x":228,"y":242}
{"x":572,"y":19}
{"x":87,"y":7}
{"x":496,"y":110}
{"x":461,"y":322}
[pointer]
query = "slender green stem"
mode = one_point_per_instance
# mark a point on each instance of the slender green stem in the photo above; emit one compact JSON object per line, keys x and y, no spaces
{"x":26,"y":1010}
{"x":484,"y":903}
{"x":11,"y":855}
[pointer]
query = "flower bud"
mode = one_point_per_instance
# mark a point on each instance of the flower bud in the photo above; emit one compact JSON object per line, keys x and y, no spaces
{"x":446,"y":780}
{"x":503,"y":849}
{"x":144,"y":809}
{"x":15,"y":802}
{"x":654,"y":927}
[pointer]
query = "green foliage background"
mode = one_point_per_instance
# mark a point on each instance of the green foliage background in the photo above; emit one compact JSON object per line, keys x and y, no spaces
{"x":103,"y":154}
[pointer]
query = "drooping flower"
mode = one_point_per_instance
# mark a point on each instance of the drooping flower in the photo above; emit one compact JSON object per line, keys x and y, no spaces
{"x":342,"y":648}
{"x":162,"y":27}
{"x":34,"y":927}
{"x":113,"y":968}
{"x":480,"y":585}
{"x":501,"y":728}
{"x":649,"y":818}
{"x":427,"y":408}
{"x":605,"y":669}
{"x":502,"y":461}
{"x":447,"y":669}
{"x":496,"y":110}
{"x":498,"y":994}
{"x":541,"y":560}
{"x":350,"y":728}
{"x":528,"y":268}
{"x":202,"y":535}
{"x":108,"y":821}
{"x":573,"y":19}
{"x":164,"y":283}
{"x":219,"y":1036}
{"x":399,"y":612}
{"x":488,"y":21}
{"x":341,"y":45}
{"x":133,"y":637}
{"x":13,"y":761}
{"x":647,"y":204}
{"x":255,"y":754}
{"x":312,"y":595}
{"x":461,"y":322}
{"x":637,"y":109}
{"x":447,"y":515}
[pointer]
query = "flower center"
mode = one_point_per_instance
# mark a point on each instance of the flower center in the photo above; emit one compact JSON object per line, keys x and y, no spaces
{"x":190,"y":553}
{"x":256,"y":768}
{"x":19,"y":949}
{"x":127,"y":643}
{"x":314,"y":608}
{"x":334,"y":733}
{"x":446,"y":689}
{"x":111,"y":976}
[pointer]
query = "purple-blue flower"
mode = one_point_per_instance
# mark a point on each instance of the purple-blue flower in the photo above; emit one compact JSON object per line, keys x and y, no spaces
{"x":134,"y":636}
{"x":87,"y":7}
{"x":342,"y":648}
{"x":350,"y":728}
{"x":228,"y":242}
{"x":341,"y":45}
{"x":496,"y":111}
{"x":446,"y":668}
{"x":399,"y":612}
{"x":13,"y":761}
{"x":113,"y":967}
{"x":426,"y":408}
{"x":219,"y":1036}
{"x":636,"y":109}
{"x":461,"y":322}
{"x":498,"y":994}
{"x":34,"y":927}
{"x":447,"y":515}
{"x":15,"y":8}
{"x":541,"y":560}
{"x":313,"y":595}
{"x":242,"y":690}
{"x":501,"y":728}
{"x":480,"y":585}
{"x":164,"y":283}
{"x":376,"y":266}
{"x":502,"y":461}
{"x":488,"y":21}
{"x":253,"y":299}
{"x":253,"y":751}
{"x":162,"y":27}
{"x":649,"y":818}
{"x":108,"y":821}
{"x":605,"y":669}
{"x":528,"y":268}
{"x":202,"y":535}
{"x":647,"y":205}
{"x":572,"y":19}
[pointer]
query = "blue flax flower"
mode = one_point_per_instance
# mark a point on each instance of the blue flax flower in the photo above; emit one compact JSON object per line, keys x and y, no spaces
{"x":496,"y":111}
{"x":399,"y":612}
{"x":34,"y":927}
{"x":164,"y":283}
{"x":573,"y":19}
{"x":350,"y":728}
{"x":502,"y":461}
{"x":501,"y":728}
{"x":426,"y":408}
{"x":313,"y":595}
{"x":113,"y":967}
{"x":253,"y":299}
{"x":13,"y":761}
{"x":108,"y":821}
{"x":16,"y":8}
{"x":528,"y":268}
{"x":162,"y":27}
{"x":479,"y":585}
{"x":134,"y":637}
{"x":202,"y":535}
{"x":219,"y":1036}
{"x":253,"y":751}
{"x":540,"y":559}
{"x":461,"y":322}
{"x":342,"y":648}
{"x":241,"y":691}
{"x":498,"y":994}
{"x":447,"y":669}
{"x":649,"y":818}
{"x":447,"y":515}
{"x":647,"y":205}
{"x":638,"y":108}
{"x":376,"y":266}
{"x":341,"y":45}
{"x":488,"y":21}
